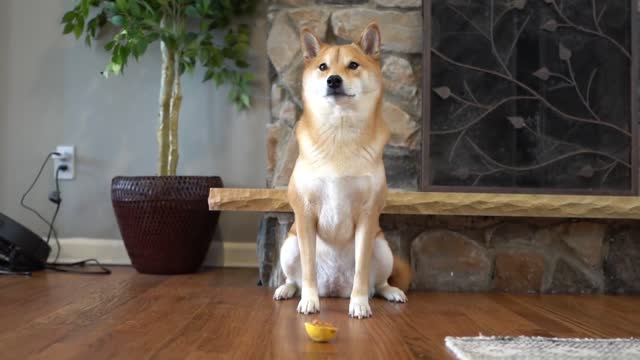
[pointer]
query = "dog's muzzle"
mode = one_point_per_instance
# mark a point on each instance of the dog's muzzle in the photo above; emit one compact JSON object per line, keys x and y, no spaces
{"x":334,"y":86}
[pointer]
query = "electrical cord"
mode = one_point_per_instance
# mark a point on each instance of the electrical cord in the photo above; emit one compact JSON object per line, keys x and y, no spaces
{"x":56,"y":198}
{"x":57,"y":267}
{"x":24,"y":196}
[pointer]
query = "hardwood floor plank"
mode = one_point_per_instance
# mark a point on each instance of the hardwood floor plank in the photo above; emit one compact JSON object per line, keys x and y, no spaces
{"x":70,"y":307}
{"x":221,"y":314}
{"x":598,"y":316}
{"x":9,"y":280}
{"x":544,"y":325}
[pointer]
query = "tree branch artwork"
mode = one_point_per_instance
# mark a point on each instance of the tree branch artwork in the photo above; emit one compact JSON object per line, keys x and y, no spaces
{"x":533,"y":90}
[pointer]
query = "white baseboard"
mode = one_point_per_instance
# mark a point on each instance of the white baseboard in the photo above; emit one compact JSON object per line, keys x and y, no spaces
{"x":113,"y":252}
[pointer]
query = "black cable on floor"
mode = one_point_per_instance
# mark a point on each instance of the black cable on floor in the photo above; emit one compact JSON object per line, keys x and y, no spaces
{"x":66,"y":267}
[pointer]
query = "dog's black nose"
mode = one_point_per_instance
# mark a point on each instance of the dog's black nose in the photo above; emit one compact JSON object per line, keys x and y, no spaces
{"x":334,"y":81}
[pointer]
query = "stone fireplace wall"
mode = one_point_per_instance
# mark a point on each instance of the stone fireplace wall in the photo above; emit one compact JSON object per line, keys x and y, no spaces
{"x":518,"y":255}
{"x":446,"y":253}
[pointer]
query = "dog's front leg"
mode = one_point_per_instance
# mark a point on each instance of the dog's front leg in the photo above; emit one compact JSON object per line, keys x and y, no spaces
{"x":306,"y":229}
{"x":365,"y":231}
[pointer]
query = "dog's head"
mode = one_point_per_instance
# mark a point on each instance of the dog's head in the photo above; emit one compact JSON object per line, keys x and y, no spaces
{"x":342,"y":76}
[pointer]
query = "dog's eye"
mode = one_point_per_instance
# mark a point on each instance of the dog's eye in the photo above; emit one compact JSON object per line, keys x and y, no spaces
{"x":353,"y":65}
{"x":323,"y":67}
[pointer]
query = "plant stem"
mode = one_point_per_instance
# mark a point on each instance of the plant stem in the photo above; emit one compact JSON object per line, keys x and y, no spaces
{"x":166,"y":89}
{"x":176,"y":103}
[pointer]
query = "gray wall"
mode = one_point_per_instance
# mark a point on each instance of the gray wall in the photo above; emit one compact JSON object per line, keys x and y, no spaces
{"x":3,"y":100}
{"x":51,"y":93}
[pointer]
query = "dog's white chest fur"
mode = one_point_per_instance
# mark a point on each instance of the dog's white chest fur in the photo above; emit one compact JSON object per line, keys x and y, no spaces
{"x":338,"y":202}
{"x":335,"y":268}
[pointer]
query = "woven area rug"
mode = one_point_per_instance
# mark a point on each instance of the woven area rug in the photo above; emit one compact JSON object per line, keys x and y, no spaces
{"x":490,"y":348}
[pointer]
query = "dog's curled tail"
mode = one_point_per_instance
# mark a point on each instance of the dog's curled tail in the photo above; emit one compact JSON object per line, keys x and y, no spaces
{"x":401,"y":274}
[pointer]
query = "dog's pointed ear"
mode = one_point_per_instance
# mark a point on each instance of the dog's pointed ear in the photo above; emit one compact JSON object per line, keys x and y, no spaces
{"x":310,"y":44}
{"x":371,"y":40}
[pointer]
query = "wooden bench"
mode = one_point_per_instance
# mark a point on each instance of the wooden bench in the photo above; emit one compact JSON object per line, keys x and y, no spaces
{"x":439,"y":203}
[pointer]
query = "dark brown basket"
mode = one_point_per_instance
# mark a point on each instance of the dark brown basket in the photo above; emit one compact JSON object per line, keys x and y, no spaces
{"x":165,"y":221}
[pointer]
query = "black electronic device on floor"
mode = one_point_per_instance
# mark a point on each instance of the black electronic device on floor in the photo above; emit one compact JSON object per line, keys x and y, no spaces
{"x":21,"y":251}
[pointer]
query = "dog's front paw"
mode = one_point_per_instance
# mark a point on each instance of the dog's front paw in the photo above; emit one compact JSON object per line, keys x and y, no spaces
{"x":285,"y":291}
{"x":393,"y":294}
{"x":309,"y":302}
{"x":359,"y":307}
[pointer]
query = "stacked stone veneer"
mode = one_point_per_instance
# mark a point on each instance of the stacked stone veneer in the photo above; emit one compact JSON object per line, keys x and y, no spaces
{"x":446,"y":253}
{"x":518,"y":255}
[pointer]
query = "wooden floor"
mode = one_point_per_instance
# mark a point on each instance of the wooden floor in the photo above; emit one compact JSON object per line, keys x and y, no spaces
{"x":222,"y":314}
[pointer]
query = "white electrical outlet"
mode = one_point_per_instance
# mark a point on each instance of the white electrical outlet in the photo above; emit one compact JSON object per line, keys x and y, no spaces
{"x":67,"y":157}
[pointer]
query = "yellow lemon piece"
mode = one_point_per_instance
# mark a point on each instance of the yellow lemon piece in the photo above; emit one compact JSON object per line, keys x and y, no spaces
{"x":320,"y":331}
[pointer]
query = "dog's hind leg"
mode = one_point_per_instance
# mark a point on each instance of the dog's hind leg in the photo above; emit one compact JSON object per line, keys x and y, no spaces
{"x":382,"y":265}
{"x":290,"y":263}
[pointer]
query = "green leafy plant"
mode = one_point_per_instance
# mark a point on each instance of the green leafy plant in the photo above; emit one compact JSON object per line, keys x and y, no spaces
{"x":190,"y":32}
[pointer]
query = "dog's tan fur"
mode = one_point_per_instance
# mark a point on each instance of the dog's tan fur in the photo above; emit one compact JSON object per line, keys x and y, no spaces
{"x":338,"y":186}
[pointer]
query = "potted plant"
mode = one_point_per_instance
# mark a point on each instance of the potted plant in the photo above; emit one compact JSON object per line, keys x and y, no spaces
{"x":164,"y":219}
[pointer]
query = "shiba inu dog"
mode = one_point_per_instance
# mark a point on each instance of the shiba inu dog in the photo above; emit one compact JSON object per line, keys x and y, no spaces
{"x":338,"y":186}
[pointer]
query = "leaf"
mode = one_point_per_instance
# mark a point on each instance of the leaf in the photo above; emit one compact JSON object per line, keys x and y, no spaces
{"x":68,"y":17}
{"x":444,"y":92}
{"x":233,"y":93}
{"x":147,"y":7}
{"x":543,"y":73}
{"x":204,"y":25}
{"x":77,"y":30}
{"x":239,"y":51}
{"x":115,"y":68}
{"x":244,"y":98}
{"x":117,"y":20}
{"x":242,"y":64}
{"x":191,"y":11}
{"x":124,"y":54}
{"x":550,"y":25}
{"x":586,"y":172}
{"x":122,"y":5}
{"x":136,"y":10}
{"x":216,"y":57}
{"x":92,"y":26}
{"x":519,"y":4}
{"x":516,"y":121}
{"x":565,"y":54}
{"x":141,"y":47}
{"x":68,"y":28}
{"x":218,"y":78}
{"x":208,"y":75}
{"x":108,"y":46}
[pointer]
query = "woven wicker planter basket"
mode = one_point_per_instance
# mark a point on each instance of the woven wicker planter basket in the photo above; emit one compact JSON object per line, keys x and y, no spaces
{"x":165,"y":221}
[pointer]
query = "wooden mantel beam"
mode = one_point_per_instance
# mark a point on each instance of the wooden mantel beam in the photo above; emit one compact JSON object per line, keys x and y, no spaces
{"x":438,"y":203}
